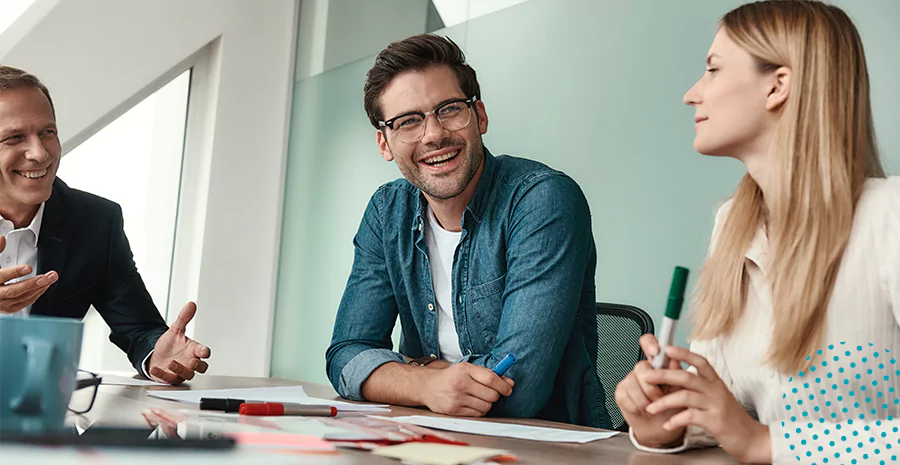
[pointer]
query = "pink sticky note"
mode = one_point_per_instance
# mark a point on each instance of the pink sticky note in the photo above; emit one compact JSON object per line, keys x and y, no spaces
{"x":281,"y":441}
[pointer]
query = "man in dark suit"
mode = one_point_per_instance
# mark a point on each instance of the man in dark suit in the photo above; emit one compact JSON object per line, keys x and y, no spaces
{"x":63,"y":250}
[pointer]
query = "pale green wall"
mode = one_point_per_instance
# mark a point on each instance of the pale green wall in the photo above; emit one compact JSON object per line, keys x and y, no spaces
{"x":604,"y":82}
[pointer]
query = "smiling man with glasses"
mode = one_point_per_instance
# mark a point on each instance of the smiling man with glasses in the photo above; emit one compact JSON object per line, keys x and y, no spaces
{"x":479,"y":256}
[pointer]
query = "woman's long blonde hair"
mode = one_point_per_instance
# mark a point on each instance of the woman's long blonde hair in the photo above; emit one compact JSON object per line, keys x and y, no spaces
{"x":824,"y":150}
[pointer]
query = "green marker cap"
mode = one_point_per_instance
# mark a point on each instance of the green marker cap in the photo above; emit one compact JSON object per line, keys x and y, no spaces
{"x":676,"y":292}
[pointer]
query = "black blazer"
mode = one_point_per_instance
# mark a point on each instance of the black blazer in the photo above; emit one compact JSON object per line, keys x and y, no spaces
{"x":82,"y":238}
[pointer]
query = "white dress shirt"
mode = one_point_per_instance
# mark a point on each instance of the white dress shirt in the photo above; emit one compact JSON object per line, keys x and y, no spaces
{"x":848,"y":402}
{"x":21,"y":248}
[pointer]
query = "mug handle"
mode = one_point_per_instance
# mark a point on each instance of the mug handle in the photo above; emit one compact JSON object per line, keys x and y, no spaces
{"x":39,"y":353}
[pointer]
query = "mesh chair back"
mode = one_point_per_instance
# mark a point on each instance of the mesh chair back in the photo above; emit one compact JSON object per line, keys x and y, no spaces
{"x":619,"y":328}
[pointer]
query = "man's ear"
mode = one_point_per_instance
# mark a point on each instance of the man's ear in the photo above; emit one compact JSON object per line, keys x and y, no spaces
{"x":383,"y":146}
{"x":481,"y":113}
{"x":779,"y":88}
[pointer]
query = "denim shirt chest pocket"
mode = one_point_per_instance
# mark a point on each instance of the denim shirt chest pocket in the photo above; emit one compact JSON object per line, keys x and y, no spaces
{"x":485,"y":307}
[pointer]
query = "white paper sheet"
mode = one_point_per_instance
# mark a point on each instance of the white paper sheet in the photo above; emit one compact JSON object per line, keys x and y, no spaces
{"x":506,"y":430}
{"x":294,"y":394}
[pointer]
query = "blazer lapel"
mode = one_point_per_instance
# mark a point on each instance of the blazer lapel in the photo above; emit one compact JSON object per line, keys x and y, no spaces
{"x":53,"y":244}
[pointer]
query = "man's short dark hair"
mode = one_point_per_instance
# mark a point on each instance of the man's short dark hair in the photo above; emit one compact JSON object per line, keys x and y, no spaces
{"x":416,"y":53}
{"x":13,"y":78}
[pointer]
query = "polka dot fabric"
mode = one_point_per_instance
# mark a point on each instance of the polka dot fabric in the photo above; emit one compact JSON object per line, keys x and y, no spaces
{"x":844,"y":409}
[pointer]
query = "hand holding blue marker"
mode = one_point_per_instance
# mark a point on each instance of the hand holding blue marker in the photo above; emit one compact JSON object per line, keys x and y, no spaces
{"x":673,"y":312}
{"x":500,"y":368}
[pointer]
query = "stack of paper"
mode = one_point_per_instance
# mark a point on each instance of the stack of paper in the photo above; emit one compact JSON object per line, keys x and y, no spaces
{"x":294,"y":394}
{"x":484,"y":428}
{"x":204,"y":422}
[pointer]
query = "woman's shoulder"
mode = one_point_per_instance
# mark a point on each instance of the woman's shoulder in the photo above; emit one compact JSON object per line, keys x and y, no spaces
{"x":881,"y":198}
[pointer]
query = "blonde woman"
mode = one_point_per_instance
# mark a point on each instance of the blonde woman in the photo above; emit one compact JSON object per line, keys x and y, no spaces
{"x":797,"y":306}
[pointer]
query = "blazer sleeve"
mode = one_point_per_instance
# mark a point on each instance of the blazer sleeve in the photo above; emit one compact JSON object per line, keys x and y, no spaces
{"x":123,"y":300}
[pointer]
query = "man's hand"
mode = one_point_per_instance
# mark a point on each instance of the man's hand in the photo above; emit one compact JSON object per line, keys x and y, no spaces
{"x":464,"y":390}
{"x":15,"y":297}
{"x":176,"y":357}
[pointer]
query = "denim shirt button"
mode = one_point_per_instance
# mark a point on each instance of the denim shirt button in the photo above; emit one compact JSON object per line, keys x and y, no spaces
{"x":459,"y":299}
{"x":430,"y":307}
{"x":488,"y":336}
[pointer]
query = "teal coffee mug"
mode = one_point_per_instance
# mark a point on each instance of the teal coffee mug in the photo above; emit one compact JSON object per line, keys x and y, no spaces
{"x":38,"y":364}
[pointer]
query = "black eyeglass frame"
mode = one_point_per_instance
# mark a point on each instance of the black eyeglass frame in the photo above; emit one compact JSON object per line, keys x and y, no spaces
{"x":94,"y":381}
{"x":389,"y":124}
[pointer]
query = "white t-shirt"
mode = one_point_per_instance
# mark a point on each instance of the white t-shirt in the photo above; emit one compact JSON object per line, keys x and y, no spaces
{"x":441,"y":247}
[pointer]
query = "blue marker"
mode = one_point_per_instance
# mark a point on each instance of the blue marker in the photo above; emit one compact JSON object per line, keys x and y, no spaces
{"x":504,"y":365}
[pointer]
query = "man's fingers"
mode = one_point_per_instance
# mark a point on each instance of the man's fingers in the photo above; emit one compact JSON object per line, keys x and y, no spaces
{"x":479,"y":405}
{"x":9,"y":274}
{"x":490,"y":379}
{"x":202,"y":367}
{"x":47,"y":278}
{"x":509,"y":381}
{"x":181,"y":370}
{"x":2,"y":243}
{"x":467,"y":412}
{"x":31,"y":295}
{"x":201,"y":351}
{"x":184,"y":317}
{"x":19,"y":289}
{"x":480,"y":391}
{"x":165,"y":376}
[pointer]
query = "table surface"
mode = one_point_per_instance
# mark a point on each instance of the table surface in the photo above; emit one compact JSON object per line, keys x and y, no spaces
{"x":122,"y":406}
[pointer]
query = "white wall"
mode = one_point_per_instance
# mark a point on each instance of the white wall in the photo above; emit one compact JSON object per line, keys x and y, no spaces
{"x":100,"y":57}
{"x":12,"y":9}
{"x":455,"y":12}
{"x":333,"y":33}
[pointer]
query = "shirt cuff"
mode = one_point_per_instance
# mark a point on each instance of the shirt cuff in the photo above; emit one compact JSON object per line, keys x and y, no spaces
{"x":358,"y":369}
{"x":145,"y":370}
{"x":694,"y":437}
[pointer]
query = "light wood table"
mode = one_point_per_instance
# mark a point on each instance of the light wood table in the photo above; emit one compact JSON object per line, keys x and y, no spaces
{"x":122,"y":406}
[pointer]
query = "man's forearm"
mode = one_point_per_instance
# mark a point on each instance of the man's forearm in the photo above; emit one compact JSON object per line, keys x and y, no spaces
{"x":398,"y":384}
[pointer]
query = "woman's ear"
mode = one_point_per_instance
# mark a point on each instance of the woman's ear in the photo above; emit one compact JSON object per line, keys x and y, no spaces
{"x":779,"y":89}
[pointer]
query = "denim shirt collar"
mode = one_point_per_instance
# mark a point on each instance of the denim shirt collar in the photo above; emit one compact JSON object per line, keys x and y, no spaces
{"x":479,"y":199}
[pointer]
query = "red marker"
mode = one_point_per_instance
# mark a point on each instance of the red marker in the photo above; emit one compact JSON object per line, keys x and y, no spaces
{"x":279,"y":409}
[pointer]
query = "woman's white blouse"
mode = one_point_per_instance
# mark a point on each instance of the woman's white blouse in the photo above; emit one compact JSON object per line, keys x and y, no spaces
{"x":846,"y":407}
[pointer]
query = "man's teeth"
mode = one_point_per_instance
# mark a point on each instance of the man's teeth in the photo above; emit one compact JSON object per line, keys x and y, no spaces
{"x":441,"y":160}
{"x":33,"y":174}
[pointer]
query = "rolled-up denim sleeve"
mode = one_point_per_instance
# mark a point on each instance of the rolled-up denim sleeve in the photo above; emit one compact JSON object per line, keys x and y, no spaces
{"x":550,"y":251}
{"x":361,"y":341}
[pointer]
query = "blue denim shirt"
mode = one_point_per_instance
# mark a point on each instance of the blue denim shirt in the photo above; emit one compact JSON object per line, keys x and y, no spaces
{"x":522,"y":280}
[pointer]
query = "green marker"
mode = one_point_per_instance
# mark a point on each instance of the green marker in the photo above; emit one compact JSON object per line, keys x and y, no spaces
{"x":673,"y":311}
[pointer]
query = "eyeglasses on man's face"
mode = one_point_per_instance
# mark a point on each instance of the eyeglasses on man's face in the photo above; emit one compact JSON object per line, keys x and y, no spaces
{"x":452,"y":115}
